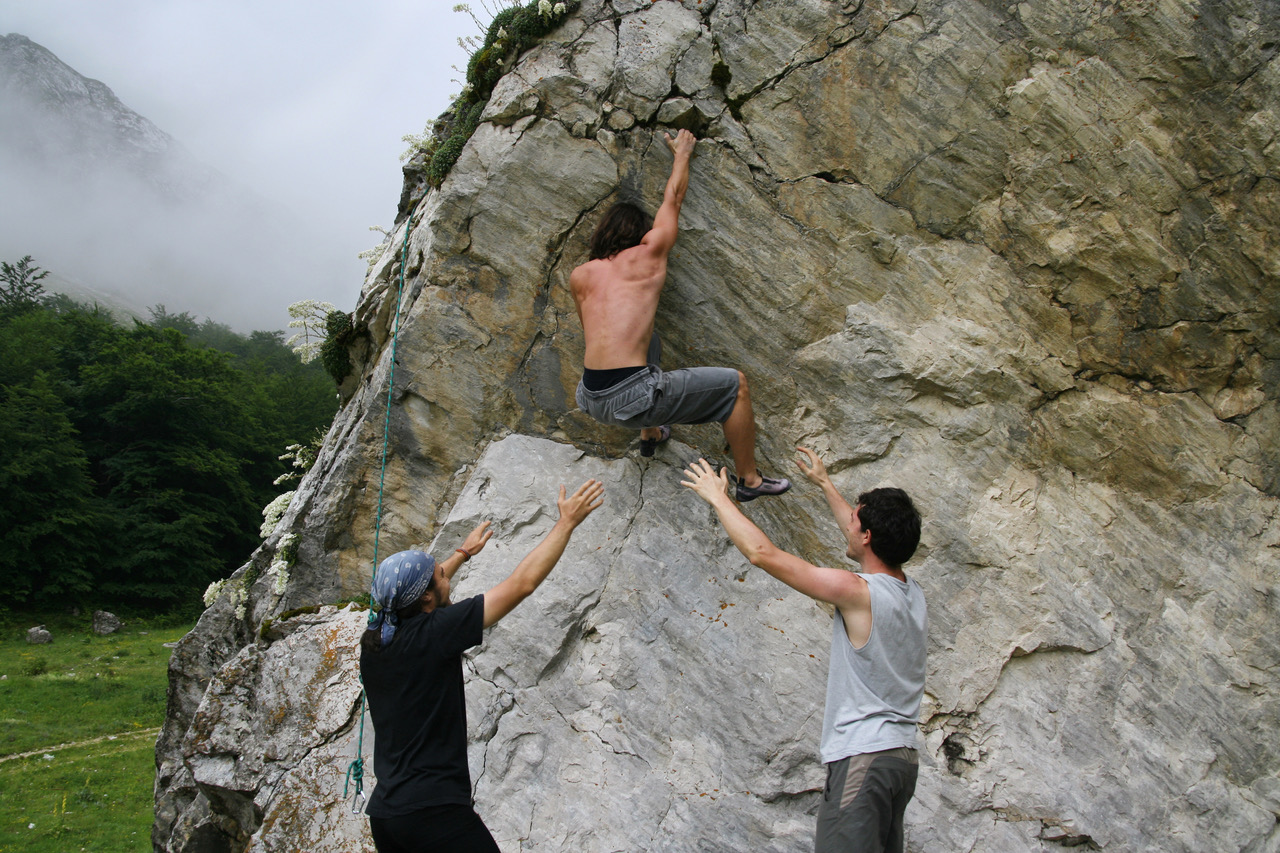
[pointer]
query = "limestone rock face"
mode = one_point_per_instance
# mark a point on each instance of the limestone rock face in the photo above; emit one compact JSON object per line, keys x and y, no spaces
{"x":1019,"y":260}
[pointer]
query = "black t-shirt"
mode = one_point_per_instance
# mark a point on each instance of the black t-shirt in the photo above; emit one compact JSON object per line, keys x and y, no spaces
{"x":419,"y":712}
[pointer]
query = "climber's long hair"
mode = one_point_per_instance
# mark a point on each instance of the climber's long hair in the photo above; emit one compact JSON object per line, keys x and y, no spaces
{"x":371,"y":639}
{"x":623,"y":226}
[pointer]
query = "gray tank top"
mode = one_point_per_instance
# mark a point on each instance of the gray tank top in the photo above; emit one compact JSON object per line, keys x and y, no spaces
{"x":873,"y":693}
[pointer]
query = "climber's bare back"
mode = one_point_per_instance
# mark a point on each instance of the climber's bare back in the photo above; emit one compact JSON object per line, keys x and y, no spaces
{"x":617,"y":298}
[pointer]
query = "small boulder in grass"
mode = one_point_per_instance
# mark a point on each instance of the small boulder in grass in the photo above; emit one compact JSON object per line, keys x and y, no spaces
{"x":39,"y":636}
{"x":105,"y":623}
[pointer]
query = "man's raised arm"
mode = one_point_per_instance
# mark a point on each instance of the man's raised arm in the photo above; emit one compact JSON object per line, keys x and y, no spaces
{"x":472,"y":545}
{"x":844,"y":589}
{"x":815,"y":472}
{"x":666,"y":222}
{"x":533,"y":569}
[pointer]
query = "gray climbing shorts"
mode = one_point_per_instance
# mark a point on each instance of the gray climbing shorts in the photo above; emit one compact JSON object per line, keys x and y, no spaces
{"x":653,"y":397}
{"x":864,"y":801}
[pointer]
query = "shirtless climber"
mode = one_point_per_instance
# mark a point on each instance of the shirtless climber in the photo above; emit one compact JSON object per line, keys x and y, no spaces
{"x":617,"y":292}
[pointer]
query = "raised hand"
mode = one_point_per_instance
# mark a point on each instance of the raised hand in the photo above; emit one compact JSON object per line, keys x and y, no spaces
{"x":477,"y":538}
{"x":585,"y":500}
{"x":815,"y":472}
{"x":704,"y":481}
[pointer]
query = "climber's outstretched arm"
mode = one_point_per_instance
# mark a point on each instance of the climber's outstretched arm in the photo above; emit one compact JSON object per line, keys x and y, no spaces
{"x":666,"y":221}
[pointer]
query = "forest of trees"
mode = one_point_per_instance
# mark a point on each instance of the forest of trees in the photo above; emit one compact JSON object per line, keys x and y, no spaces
{"x":135,"y":459}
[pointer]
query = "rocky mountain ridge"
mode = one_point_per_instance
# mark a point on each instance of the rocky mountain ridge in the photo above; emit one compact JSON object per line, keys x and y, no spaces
{"x":1018,"y":260}
{"x":62,"y":120}
{"x":101,"y":195}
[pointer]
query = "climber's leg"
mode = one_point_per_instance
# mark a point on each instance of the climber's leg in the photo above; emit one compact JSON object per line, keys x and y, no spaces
{"x":740,"y":432}
{"x":651,"y":437}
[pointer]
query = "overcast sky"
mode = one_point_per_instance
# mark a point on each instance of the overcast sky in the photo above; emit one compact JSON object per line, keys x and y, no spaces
{"x":304,"y":102}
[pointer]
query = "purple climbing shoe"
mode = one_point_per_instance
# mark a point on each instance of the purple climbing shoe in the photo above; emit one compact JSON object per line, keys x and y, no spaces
{"x":649,"y":445}
{"x":768,"y":487}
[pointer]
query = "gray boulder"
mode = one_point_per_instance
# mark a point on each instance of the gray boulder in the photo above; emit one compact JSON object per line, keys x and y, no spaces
{"x":105,"y":623}
{"x":1018,"y":260}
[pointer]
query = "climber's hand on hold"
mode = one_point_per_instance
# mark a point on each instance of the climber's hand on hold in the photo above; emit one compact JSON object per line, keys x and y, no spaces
{"x":682,"y":144}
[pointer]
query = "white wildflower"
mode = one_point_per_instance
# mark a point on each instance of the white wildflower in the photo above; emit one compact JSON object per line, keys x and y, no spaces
{"x":308,"y":352}
{"x":211,"y":594}
{"x":558,"y":9}
{"x":301,"y":457}
{"x":418,"y":142}
{"x":544,"y":7}
{"x":237,"y":597}
{"x":287,"y":540}
{"x":308,"y":310}
{"x":309,"y":315}
{"x":502,"y":33}
{"x":273,"y":512}
{"x":280,"y":574}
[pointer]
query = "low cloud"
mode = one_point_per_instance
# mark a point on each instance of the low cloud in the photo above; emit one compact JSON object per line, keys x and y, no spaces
{"x":150,"y":225}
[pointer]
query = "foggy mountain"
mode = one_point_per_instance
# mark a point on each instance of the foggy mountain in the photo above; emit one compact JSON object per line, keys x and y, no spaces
{"x":114,"y":206}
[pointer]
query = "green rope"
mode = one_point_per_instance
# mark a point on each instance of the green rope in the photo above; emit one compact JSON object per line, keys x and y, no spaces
{"x":355,"y":770}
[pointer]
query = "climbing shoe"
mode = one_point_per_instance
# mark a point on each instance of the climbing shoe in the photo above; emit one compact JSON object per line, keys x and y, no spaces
{"x":768,"y":487}
{"x":649,"y":445}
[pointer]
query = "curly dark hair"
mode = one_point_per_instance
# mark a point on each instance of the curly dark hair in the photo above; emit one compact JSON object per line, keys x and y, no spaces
{"x":624,"y":225}
{"x":893,"y":521}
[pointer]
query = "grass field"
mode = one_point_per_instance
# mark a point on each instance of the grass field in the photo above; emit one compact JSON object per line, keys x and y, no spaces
{"x":78,"y":723}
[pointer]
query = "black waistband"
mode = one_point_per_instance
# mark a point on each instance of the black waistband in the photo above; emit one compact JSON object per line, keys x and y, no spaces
{"x":602,"y":380}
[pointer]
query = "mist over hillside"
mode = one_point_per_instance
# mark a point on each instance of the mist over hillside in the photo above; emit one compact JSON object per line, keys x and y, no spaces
{"x":98,"y":194}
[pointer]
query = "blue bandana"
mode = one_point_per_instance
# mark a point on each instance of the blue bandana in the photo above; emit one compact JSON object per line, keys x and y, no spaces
{"x":400,"y":580}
